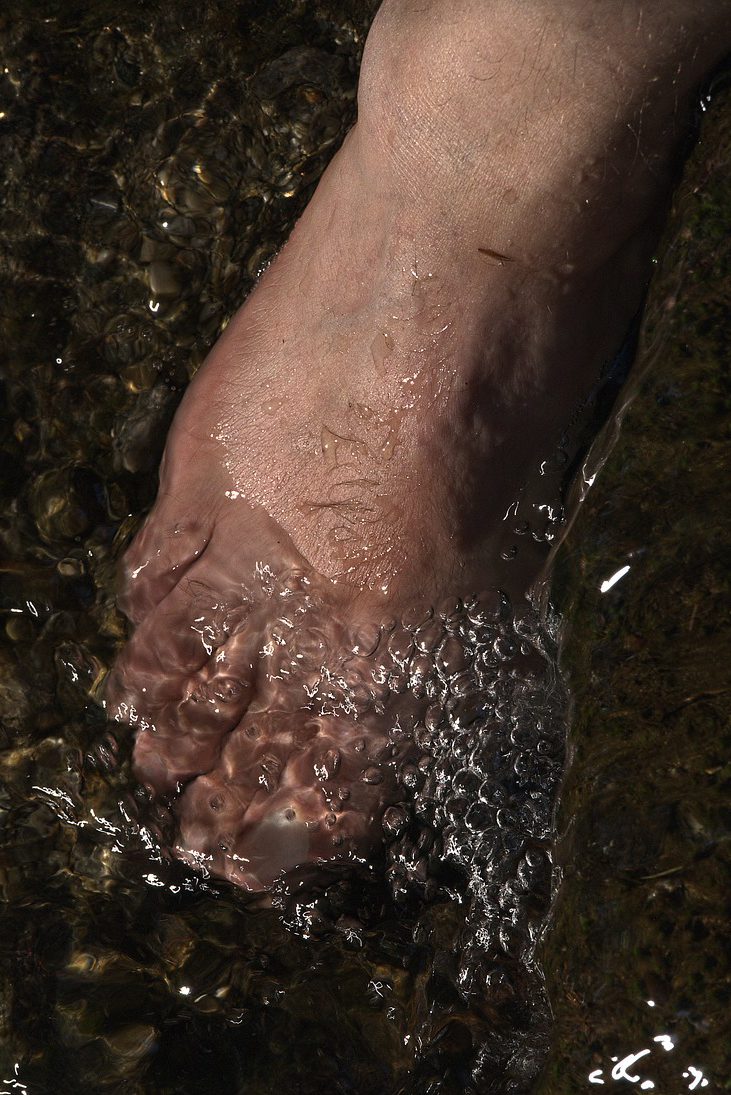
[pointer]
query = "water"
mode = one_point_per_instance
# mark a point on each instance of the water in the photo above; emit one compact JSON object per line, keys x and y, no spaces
{"x":148,"y":181}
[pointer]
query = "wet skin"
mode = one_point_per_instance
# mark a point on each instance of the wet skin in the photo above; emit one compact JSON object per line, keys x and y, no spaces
{"x":336,"y":482}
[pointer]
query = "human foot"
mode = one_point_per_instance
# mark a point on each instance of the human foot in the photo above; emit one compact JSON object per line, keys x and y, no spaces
{"x":358,"y":435}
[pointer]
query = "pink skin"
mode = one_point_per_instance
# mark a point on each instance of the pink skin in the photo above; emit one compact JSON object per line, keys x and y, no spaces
{"x":344,"y":461}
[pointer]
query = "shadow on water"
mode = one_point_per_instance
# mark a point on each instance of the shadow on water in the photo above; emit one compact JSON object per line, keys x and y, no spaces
{"x":153,"y":161}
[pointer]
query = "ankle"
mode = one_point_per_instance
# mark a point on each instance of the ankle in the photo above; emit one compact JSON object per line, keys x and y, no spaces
{"x":506,"y":117}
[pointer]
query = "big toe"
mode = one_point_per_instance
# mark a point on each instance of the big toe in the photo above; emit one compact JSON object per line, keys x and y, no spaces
{"x":185,"y":679}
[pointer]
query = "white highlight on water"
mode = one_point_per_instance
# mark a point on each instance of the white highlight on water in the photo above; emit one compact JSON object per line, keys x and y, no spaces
{"x":616,"y":577}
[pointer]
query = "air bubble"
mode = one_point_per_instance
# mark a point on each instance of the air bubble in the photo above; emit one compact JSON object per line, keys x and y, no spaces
{"x":435,"y":717}
{"x":412,"y":777}
{"x":415,"y":617}
{"x":466,"y":782}
{"x":398,"y":683}
{"x":420,"y":667}
{"x":461,"y":684}
{"x":505,"y":647}
{"x":394,"y":821}
{"x":468,"y":710}
{"x":478,"y":817}
{"x":400,"y":645}
{"x":457,"y":807}
{"x":487,"y":607}
{"x":449,"y":608}
{"x":429,"y":636}
{"x":505,"y":819}
{"x":452,"y":658}
{"x":523,"y":764}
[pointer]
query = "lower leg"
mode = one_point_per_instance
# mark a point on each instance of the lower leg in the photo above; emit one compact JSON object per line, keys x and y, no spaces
{"x":471,"y":258}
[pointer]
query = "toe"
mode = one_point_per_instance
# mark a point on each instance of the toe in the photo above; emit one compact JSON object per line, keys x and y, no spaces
{"x":184,"y":739}
{"x":288,"y":790}
{"x":160,"y":555}
{"x":185,"y":680}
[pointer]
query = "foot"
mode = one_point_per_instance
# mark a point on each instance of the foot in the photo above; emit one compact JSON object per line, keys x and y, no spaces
{"x":344,"y":473}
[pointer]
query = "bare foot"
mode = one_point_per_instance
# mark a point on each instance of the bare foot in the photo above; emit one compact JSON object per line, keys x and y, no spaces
{"x":336,"y":483}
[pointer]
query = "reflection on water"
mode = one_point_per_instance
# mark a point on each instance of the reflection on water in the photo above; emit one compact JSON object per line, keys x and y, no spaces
{"x":14,"y":1082}
{"x":637,"y":1067}
{"x":148,"y":178}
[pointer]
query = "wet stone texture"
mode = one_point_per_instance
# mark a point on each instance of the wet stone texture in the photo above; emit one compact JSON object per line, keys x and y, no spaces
{"x":154,"y":159}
